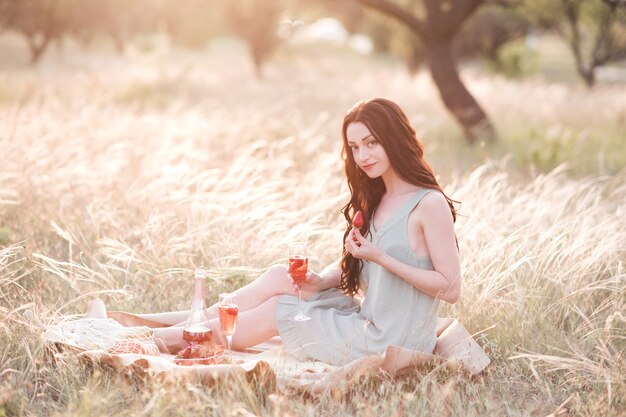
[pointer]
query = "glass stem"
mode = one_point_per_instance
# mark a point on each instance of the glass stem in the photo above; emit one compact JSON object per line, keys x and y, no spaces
{"x":299,"y":301}
{"x":229,"y":341}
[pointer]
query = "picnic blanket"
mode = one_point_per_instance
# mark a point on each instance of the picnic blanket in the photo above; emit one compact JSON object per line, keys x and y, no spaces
{"x":270,"y":363}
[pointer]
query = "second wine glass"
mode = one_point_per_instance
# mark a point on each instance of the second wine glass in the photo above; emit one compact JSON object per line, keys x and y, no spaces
{"x":228,"y":312}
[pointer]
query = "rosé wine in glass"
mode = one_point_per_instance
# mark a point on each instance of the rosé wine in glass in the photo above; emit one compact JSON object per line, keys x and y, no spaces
{"x":228,"y":318}
{"x":228,"y":313}
{"x":298,"y":267}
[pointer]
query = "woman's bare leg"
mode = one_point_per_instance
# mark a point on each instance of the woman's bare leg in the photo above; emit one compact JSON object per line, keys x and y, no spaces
{"x":253,"y":327}
{"x":274,"y":281}
{"x":170,"y":318}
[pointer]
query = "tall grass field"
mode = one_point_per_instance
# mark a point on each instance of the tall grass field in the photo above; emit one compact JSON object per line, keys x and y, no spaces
{"x":120,"y":174}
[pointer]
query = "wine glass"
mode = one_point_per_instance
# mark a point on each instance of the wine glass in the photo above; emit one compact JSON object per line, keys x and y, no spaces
{"x":298,"y":265}
{"x":228,"y":312}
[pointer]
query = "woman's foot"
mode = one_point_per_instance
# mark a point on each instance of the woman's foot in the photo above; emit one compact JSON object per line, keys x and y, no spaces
{"x":130,"y":320}
{"x":169,"y":339}
{"x":96,"y":309}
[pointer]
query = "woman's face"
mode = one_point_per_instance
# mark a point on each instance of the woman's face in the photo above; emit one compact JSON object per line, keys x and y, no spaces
{"x":368,"y":153}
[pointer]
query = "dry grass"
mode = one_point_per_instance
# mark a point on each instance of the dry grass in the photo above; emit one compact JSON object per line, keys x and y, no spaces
{"x":119,"y":175}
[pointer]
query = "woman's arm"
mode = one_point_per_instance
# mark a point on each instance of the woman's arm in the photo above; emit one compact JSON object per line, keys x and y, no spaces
{"x":433,"y":283}
{"x":438,"y":228}
{"x":329,"y":277}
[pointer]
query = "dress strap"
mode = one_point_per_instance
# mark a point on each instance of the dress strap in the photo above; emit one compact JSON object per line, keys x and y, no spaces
{"x":414,"y":201}
{"x":404,"y":212}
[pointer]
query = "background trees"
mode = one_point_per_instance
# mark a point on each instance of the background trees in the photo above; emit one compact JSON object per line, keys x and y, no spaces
{"x":595,"y":30}
{"x":256,"y":23}
{"x":39,"y":21}
{"x":436,"y":24}
{"x":435,"y":33}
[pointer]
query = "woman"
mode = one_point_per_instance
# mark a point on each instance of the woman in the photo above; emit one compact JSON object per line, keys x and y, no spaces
{"x":405,"y":260}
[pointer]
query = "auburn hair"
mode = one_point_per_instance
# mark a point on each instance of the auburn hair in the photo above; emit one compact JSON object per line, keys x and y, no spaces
{"x":391,"y":128}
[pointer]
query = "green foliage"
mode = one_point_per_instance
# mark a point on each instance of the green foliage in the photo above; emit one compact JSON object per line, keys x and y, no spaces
{"x":5,"y":236}
{"x":146,"y":94}
{"x":13,"y":403}
{"x":547,"y":151}
{"x":488,"y":31}
{"x":515,"y":60}
{"x":583,"y":151}
{"x":595,"y":30}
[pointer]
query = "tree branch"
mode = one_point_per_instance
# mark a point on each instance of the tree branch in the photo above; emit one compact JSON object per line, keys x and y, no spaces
{"x":571,"y":13}
{"x":392,"y":9}
{"x":505,"y":3}
{"x":445,"y":18}
{"x":603,"y":45}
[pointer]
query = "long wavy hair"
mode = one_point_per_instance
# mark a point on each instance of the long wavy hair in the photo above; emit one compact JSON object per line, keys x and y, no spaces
{"x":392,"y":129}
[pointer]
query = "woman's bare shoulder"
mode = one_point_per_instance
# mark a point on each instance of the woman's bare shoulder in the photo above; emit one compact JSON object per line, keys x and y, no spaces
{"x":434,"y":200}
{"x":434,"y":204}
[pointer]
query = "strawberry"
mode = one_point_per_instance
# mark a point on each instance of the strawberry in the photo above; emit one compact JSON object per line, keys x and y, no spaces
{"x":185,"y":353}
{"x":203,"y":352}
{"x":195,"y":352}
{"x":357,"y":220}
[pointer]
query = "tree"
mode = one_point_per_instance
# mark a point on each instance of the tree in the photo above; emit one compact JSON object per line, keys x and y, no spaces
{"x":192,"y":23}
{"x":595,"y":30}
{"x":487,"y":31}
{"x":435,"y":23}
{"x":256,"y":22}
{"x":39,"y":21}
{"x":113,"y":19}
{"x":483,"y":36}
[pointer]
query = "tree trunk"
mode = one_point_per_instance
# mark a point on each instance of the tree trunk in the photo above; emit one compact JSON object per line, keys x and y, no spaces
{"x":413,"y":57}
{"x":436,"y":29}
{"x":588,"y":76}
{"x":37,"y":48}
{"x":118,"y":43}
{"x":455,"y":96}
{"x":257,"y":60}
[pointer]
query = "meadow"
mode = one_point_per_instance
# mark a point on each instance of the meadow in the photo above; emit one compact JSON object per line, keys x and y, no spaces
{"x":120,"y":174}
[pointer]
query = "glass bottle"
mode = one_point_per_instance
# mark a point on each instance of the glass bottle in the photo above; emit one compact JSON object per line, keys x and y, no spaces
{"x":197,"y":330}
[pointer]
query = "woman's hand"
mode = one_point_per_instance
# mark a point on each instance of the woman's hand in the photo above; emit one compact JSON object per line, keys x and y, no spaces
{"x":361,"y":248}
{"x":314,"y":282}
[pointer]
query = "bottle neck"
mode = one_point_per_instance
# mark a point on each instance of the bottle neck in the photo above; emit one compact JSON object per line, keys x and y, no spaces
{"x":197,"y":302}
